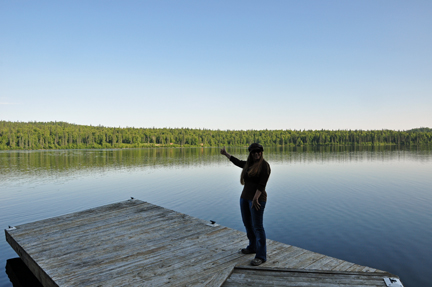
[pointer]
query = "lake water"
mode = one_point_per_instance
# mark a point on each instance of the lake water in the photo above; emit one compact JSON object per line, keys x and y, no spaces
{"x":369,"y":206}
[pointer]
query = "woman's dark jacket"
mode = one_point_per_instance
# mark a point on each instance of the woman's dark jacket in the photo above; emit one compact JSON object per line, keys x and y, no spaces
{"x":256,"y":182}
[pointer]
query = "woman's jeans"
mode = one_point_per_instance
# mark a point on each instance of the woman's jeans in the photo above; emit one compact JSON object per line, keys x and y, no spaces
{"x":253,"y":221}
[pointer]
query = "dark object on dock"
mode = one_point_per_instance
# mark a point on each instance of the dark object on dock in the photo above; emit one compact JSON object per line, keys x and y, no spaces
{"x":20,"y":275}
{"x":135,"y":243}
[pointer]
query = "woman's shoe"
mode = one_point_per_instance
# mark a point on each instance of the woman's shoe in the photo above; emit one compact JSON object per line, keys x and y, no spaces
{"x":247,"y":251}
{"x":257,"y":261}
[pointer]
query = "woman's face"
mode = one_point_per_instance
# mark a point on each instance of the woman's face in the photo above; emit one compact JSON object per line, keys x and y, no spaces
{"x":256,"y":155}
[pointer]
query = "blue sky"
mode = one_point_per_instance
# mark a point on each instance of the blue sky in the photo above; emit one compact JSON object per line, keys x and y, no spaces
{"x":218,"y":64}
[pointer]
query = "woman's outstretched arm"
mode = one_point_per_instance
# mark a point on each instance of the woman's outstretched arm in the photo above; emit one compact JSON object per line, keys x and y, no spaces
{"x":233,"y":159}
{"x":224,"y":152}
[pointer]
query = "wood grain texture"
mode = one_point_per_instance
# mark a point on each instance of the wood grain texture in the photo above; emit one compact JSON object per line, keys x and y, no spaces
{"x":135,"y":243}
{"x":265,"y":276}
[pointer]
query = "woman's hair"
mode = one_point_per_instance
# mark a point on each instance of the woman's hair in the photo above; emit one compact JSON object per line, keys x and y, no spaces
{"x":251,"y":167}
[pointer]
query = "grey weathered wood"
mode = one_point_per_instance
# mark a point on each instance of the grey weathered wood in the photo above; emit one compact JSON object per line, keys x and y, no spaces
{"x":39,"y":273}
{"x":262,"y":276}
{"x":135,"y":243}
{"x":344,"y":266}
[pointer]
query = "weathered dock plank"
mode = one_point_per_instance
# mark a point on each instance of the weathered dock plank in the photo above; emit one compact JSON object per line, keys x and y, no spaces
{"x":135,"y":243}
{"x":264,"y":276}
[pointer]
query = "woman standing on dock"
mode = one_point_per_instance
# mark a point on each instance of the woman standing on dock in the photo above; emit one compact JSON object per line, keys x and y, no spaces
{"x":254,"y":177}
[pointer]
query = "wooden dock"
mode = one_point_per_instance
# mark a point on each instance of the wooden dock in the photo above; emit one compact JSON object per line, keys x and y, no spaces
{"x":135,"y":243}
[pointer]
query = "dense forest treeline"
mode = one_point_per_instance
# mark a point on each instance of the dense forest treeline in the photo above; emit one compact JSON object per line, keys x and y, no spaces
{"x":61,"y":135}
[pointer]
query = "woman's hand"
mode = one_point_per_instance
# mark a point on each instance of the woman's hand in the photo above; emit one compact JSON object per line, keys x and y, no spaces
{"x":224,"y":152}
{"x":256,"y":204}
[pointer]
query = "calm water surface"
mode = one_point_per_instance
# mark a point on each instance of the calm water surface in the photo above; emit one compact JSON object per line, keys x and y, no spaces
{"x":372,"y":207}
